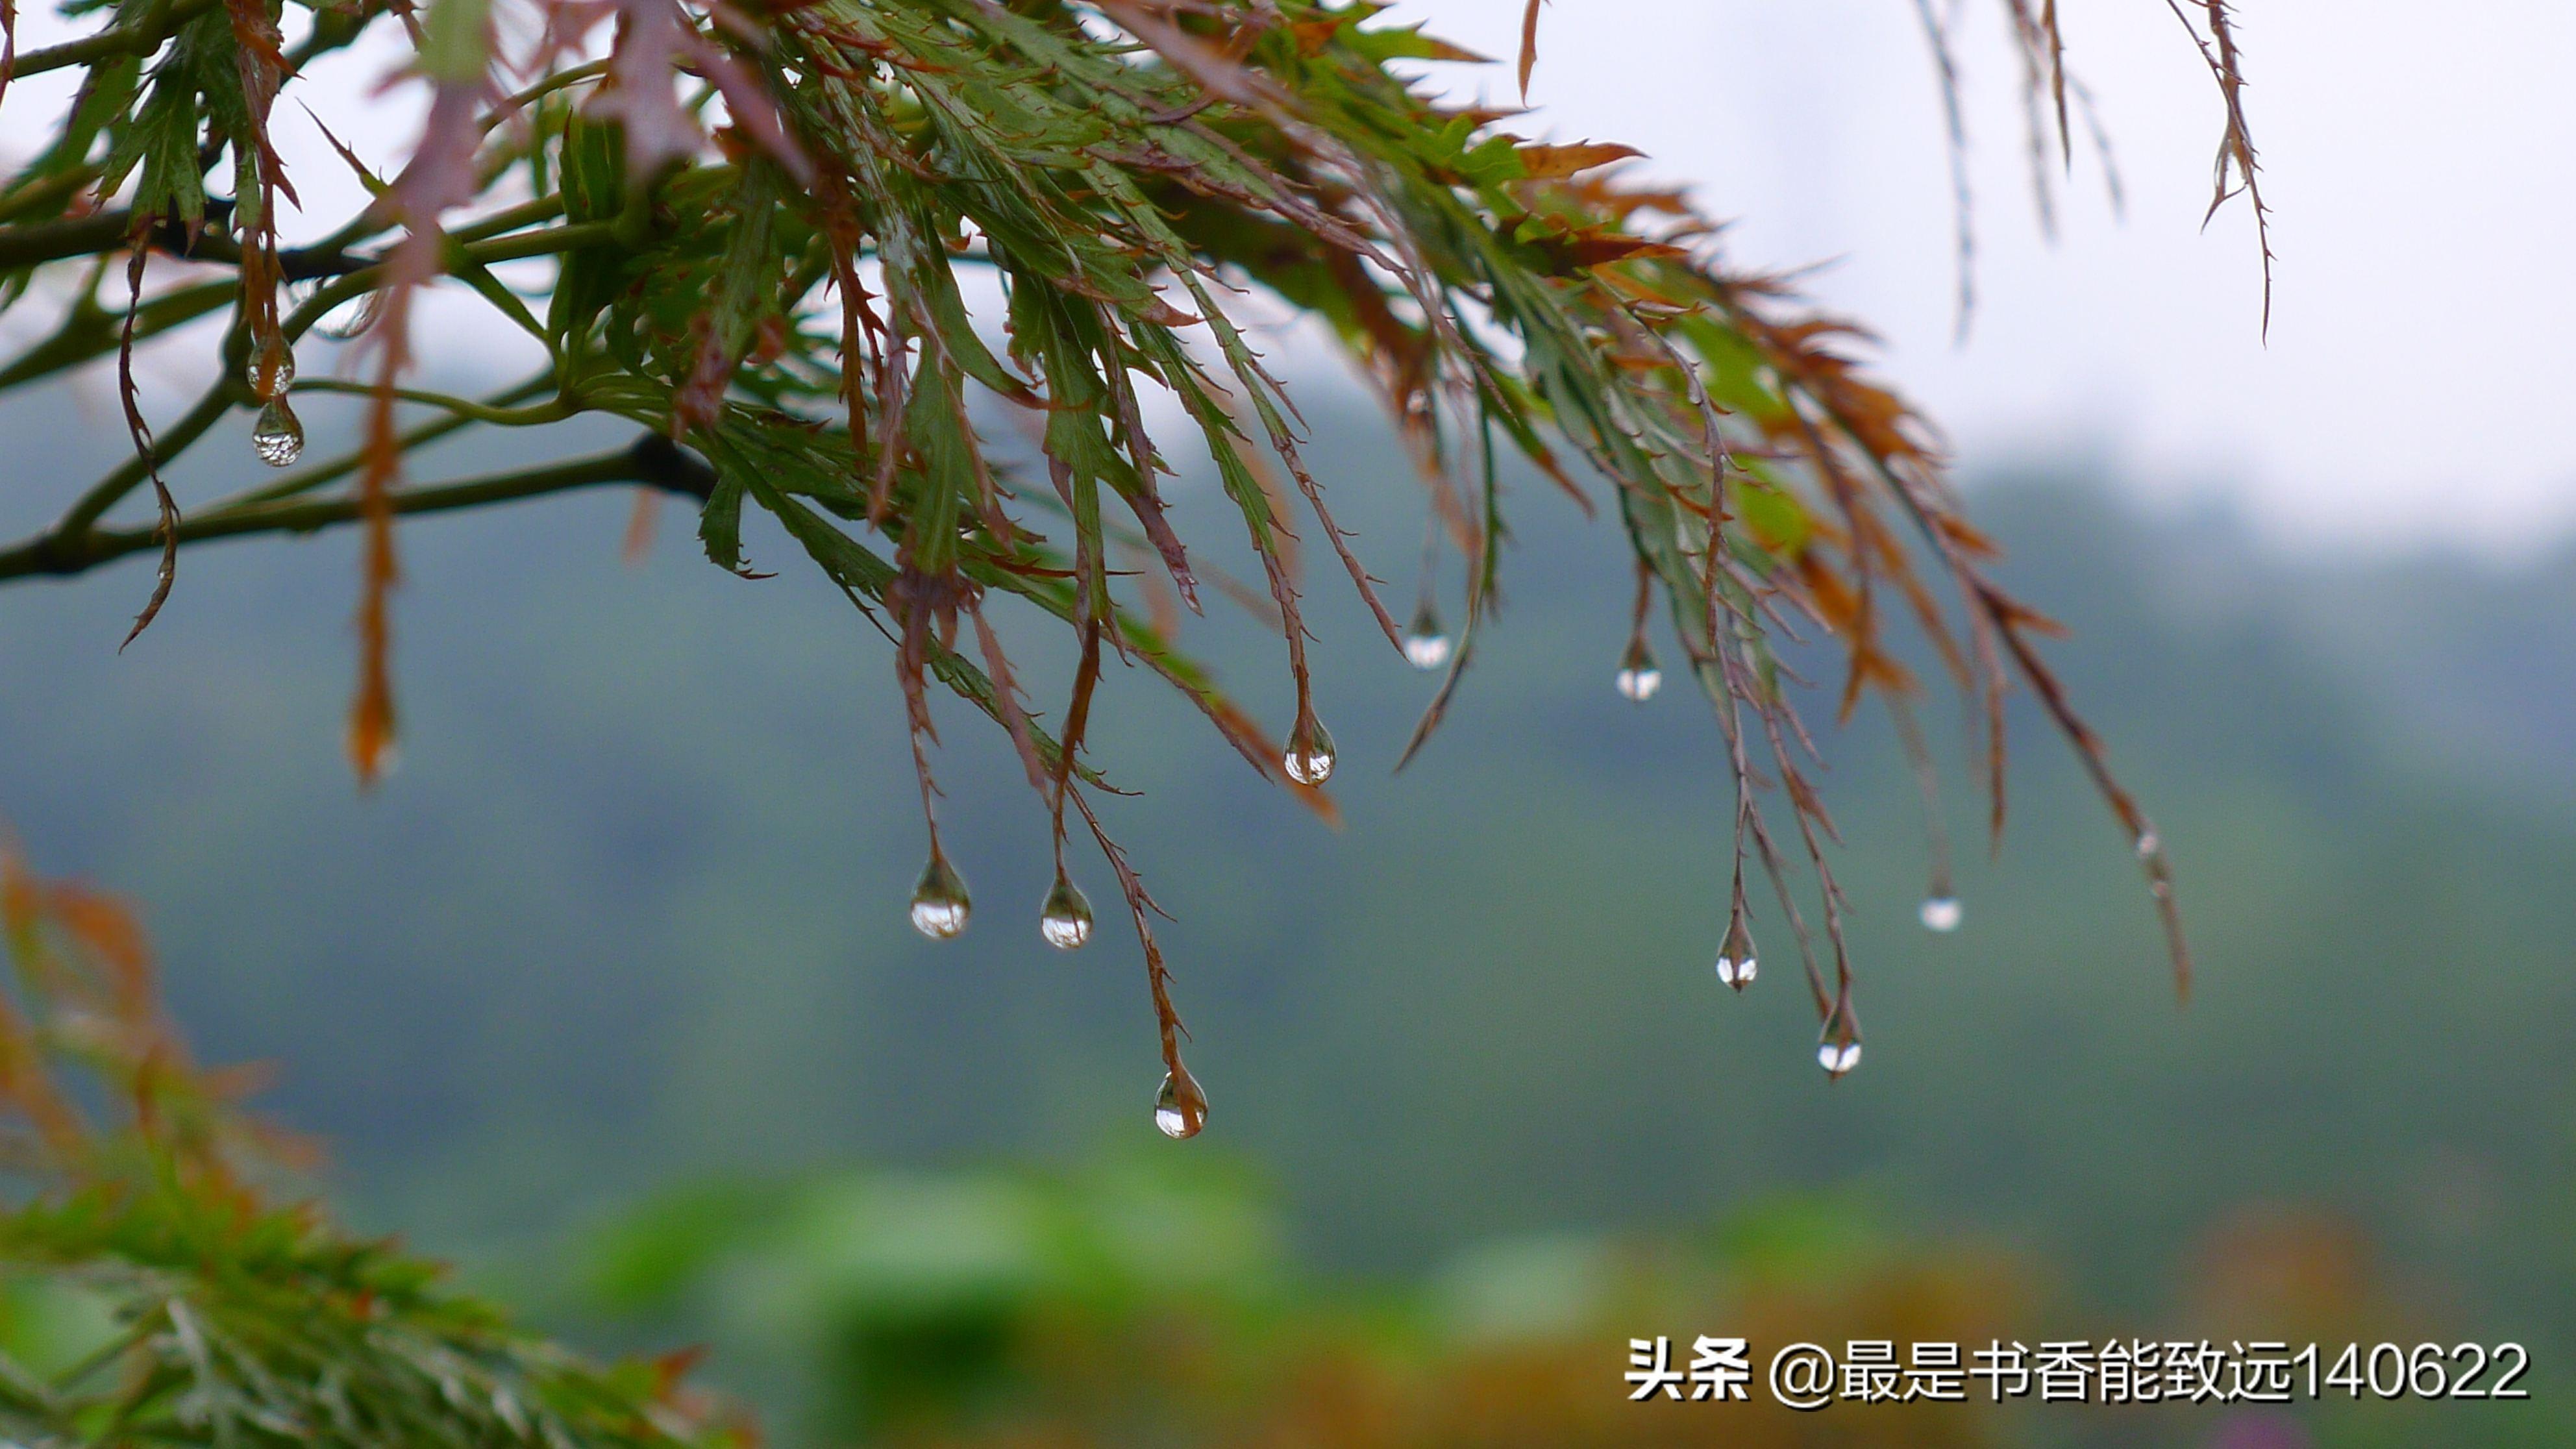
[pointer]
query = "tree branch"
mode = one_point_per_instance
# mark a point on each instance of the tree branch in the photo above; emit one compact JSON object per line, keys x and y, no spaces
{"x":54,"y":241}
{"x":91,"y":331}
{"x":83,"y":236}
{"x":62,"y":539}
{"x":167,"y":445}
{"x":140,"y":38}
{"x":652,"y":460}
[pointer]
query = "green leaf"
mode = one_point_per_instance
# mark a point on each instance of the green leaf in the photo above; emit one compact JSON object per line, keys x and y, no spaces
{"x":456,"y":41}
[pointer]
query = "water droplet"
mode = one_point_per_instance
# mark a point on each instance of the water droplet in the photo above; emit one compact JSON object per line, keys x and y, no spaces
{"x":1737,"y":952}
{"x":1426,"y":644}
{"x":278,"y":438}
{"x":1064,"y":919}
{"x":1940,"y":913}
{"x":1735,"y":960}
{"x":1638,"y":677}
{"x":939,"y":903}
{"x":1837,"y":1057}
{"x":1176,"y":1118}
{"x":271,"y":370}
{"x":1309,"y":760}
{"x":2148,"y":845}
{"x":350,"y":320}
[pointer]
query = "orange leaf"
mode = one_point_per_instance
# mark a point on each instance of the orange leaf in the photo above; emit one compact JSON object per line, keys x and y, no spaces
{"x":1529,"y":46}
{"x":1550,"y":163}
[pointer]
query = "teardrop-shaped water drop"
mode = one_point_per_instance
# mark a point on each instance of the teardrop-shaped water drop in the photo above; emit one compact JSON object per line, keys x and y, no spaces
{"x":383,"y":761}
{"x":1735,"y":960}
{"x":1178,"y":1116}
{"x":278,"y":437}
{"x":1940,"y":913}
{"x":939,"y":904}
{"x":1064,"y":918}
{"x":1837,"y":1057}
{"x":1638,"y":678}
{"x":1309,"y":760}
{"x":271,"y":370}
{"x":1426,"y":644}
{"x":350,"y":320}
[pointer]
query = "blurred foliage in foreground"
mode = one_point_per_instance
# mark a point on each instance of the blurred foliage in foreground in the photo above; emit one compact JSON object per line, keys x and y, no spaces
{"x":150,"y":1294}
{"x":1152,"y":1303}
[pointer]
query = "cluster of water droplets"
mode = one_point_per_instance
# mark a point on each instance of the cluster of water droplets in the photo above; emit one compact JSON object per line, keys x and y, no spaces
{"x":940,"y":909}
{"x":278,"y":436}
{"x":1064,"y":917}
{"x":1309,"y":759}
{"x":1837,"y":1051}
{"x":1638,"y":676}
{"x":1426,"y":644}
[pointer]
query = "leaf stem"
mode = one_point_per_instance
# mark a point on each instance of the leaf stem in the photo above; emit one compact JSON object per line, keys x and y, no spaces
{"x":552,"y":410}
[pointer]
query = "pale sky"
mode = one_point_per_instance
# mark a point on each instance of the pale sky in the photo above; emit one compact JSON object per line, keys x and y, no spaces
{"x":2414,"y":384}
{"x":2417,"y":160}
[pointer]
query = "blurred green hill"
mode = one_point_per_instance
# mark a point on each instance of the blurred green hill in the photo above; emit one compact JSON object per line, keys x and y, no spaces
{"x":630,"y":914}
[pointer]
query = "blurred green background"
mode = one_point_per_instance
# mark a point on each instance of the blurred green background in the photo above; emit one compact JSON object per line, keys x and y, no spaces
{"x":609,"y":994}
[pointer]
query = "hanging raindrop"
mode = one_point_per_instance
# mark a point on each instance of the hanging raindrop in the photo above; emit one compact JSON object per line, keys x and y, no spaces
{"x":1426,"y":644}
{"x":2148,"y":845}
{"x":1837,"y":1057}
{"x":272,"y":371}
{"x":1735,"y":961}
{"x":1176,"y":1117}
{"x":278,"y":438}
{"x":350,"y":320}
{"x":1638,"y":677}
{"x":939,"y":904}
{"x":1309,"y":760}
{"x":1064,"y":919}
{"x":1940,"y":913}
